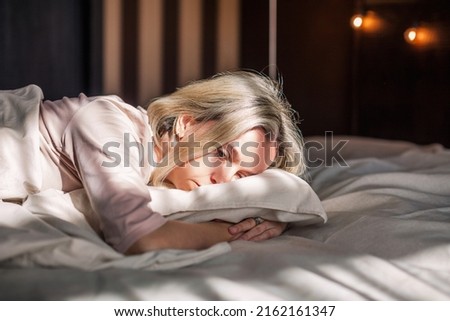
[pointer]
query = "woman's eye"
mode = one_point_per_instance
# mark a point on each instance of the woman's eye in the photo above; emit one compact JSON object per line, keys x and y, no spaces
{"x":239,"y":175}
{"x":221,"y":153}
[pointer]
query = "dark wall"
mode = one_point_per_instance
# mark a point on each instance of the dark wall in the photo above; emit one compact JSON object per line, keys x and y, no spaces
{"x":50,"y":43}
{"x":314,"y":45}
{"x":357,"y":82}
{"x":402,"y":91}
{"x":255,"y":34}
{"x":313,"y":57}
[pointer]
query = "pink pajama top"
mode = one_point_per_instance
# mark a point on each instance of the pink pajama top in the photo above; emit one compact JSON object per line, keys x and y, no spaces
{"x":101,"y":144}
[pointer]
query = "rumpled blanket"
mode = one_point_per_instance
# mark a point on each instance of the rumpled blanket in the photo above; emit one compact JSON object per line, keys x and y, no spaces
{"x":19,"y":142}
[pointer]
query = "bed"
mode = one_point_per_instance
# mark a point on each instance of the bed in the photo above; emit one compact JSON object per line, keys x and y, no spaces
{"x":373,"y":223}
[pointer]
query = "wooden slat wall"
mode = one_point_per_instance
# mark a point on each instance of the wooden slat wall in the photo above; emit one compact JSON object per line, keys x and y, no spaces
{"x":151,"y":47}
{"x":112,"y":42}
{"x":150,"y":54}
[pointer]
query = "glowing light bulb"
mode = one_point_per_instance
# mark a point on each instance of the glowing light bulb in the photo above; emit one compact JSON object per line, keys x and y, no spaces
{"x":357,"y":21}
{"x":411,"y":35}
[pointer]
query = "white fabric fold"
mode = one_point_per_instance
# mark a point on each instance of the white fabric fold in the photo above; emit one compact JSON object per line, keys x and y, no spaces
{"x":20,"y":170}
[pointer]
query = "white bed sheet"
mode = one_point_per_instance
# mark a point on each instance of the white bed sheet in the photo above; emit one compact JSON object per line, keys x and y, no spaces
{"x":387,"y":238}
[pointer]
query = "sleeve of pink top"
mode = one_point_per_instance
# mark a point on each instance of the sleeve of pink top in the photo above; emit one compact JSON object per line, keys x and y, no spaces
{"x":112,"y":170}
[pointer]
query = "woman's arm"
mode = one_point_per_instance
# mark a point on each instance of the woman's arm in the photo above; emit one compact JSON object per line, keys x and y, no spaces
{"x":197,"y":236}
{"x":114,"y":178}
{"x":182,"y":235}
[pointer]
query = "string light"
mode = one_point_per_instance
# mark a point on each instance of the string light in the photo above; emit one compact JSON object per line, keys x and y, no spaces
{"x":357,"y":21}
{"x":368,"y":22}
{"x":418,"y":34}
{"x":411,"y":35}
{"x":422,"y":35}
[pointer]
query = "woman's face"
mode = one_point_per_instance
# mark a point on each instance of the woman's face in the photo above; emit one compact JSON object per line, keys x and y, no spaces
{"x":250,"y":154}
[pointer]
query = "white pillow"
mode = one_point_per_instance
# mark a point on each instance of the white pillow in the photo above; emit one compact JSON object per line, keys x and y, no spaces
{"x":273,"y":195}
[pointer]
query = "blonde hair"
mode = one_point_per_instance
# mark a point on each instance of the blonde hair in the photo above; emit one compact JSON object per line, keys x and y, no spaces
{"x":237,"y":102}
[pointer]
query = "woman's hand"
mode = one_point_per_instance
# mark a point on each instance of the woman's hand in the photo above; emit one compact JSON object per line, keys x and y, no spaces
{"x":183,"y":235}
{"x":249,"y":230}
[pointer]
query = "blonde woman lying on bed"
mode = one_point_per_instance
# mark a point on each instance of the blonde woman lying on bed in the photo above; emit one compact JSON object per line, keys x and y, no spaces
{"x":212,"y":131}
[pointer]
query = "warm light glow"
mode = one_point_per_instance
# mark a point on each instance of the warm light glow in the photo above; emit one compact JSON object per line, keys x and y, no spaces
{"x":357,"y":21}
{"x":369,"y":22}
{"x":411,"y":35}
{"x":423,"y":35}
